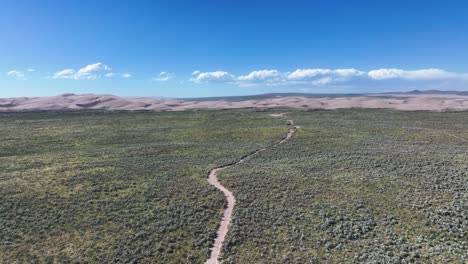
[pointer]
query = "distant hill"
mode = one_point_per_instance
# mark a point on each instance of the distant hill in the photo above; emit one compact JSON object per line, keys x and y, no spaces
{"x":317,"y":95}
{"x":431,"y":92}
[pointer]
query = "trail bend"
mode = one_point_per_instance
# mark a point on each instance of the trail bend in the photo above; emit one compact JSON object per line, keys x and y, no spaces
{"x":231,"y":200}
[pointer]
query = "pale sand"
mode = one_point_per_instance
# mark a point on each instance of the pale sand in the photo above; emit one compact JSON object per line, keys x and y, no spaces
{"x":410,"y":102}
{"x":278,"y":114}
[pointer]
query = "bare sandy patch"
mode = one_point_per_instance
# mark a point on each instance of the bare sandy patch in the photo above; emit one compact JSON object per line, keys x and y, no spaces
{"x":278,"y":114}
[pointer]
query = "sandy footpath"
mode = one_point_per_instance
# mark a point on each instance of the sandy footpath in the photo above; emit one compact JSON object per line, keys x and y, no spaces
{"x":231,"y":200}
{"x":432,"y":102}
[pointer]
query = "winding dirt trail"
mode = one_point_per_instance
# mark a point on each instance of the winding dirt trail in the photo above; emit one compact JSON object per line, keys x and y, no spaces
{"x":231,"y":200}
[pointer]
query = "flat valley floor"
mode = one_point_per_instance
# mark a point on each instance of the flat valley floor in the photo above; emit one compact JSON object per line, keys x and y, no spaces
{"x":351,"y":186}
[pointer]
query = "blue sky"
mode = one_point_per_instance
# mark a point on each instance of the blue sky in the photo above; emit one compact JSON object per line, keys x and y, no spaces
{"x":212,"y":48}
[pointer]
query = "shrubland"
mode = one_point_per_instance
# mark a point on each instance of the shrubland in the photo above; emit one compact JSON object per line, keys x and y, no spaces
{"x":351,"y":186}
{"x":355,"y":186}
{"x":101,"y":187}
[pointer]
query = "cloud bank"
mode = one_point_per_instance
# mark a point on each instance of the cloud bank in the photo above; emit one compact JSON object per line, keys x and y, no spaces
{"x":424,"y":74}
{"x":304,"y":79}
{"x":319,"y":77}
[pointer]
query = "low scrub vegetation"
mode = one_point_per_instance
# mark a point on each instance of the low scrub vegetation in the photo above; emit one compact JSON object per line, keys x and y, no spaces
{"x":121,"y":187}
{"x":351,"y":186}
{"x":366,"y":186}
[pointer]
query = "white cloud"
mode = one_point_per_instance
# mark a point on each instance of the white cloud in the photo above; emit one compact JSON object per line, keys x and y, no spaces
{"x":298,"y":77}
{"x":301,"y":74}
{"x":322,"y":76}
{"x":196,"y":72}
{"x":89,"y":72}
{"x":348,"y":72}
{"x":126,"y":75}
{"x":17,"y":74}
{"x":113,"y":74}
{"x":307,"y":74}
{"x":92,"y":71}
{"x":65,"y":74}
{"x":262,"y":76}
{"x":424,"y":74}
{"x":31,"y":70}
{"x":216,"y":76}
{"x":165,"y":76}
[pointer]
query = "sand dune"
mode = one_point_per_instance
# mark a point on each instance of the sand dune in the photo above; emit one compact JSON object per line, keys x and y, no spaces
{"x":432,"y":102}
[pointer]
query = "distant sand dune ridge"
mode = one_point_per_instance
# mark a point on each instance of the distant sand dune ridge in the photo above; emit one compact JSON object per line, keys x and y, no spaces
{"x":410,"y":102}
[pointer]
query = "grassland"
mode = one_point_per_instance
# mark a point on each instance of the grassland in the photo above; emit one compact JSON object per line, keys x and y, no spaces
{"x":372,"y":186}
